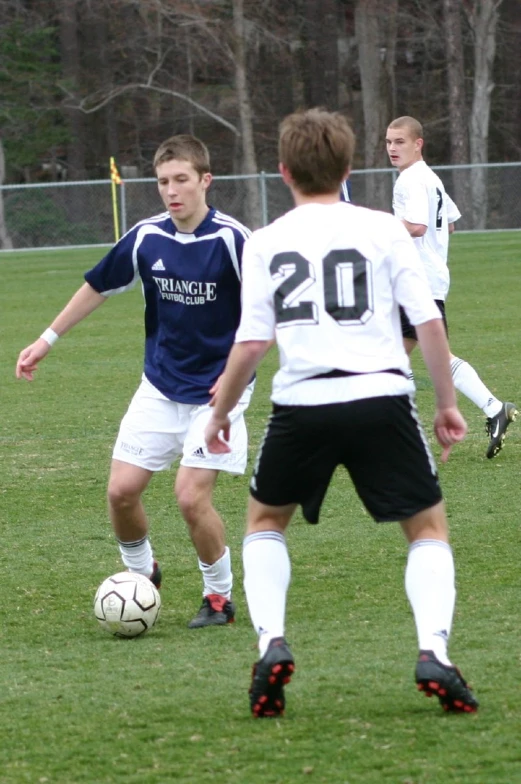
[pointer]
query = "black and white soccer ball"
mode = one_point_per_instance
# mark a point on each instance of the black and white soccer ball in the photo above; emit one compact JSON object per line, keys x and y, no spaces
{"x":127,"y":604}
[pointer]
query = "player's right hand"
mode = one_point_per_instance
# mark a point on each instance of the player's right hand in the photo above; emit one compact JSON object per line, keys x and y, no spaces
{"x":30,"y":357}
{"x":217,"y":435}
{"x":450,"y":428}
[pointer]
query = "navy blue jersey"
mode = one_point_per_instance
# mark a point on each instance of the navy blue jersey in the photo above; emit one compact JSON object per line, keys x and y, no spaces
{"x":191,"y":284}
{"x":345,"y":191}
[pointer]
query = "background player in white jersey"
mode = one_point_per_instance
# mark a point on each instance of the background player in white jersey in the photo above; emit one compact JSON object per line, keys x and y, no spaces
{"x":428,"y":213}
{"x":189,"y":262}
{"x":326,"y":281}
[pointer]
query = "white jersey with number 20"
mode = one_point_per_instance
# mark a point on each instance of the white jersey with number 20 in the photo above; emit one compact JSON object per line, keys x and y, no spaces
{"x":326,"y":280}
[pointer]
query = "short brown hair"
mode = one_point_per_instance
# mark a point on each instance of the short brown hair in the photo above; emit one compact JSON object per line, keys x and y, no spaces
{"x":317,"y":148}
{"x":412,"y":125}
{"x":184,"y":147}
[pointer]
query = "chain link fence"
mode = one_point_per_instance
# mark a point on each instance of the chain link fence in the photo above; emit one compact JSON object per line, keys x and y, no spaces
{"x":60,"y":214}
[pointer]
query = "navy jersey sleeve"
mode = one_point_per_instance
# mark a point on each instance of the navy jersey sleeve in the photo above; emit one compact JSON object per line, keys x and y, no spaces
{"x":240,"y":239}
{"x":345,"y":191}
{"x":117,"y":271}
{"x":240,"y":234}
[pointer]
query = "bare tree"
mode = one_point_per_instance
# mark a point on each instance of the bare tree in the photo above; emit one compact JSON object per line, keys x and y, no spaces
{"x":375,"y":28}
{"x":101,"y":40}
{"x":482,"y":16}
{"x":96,"y":101}
{"x":249,"y":159}
{"x":134,"y":71}
{"x":457,"y":102}
{"x":161,"y":50}
{"x":70,"y":51}
{"x":320,"y":53}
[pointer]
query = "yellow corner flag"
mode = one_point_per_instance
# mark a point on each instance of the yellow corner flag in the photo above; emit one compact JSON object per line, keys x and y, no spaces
{"x":116,"y":180}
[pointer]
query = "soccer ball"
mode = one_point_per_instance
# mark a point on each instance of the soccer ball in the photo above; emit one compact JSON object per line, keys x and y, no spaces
{"x":127,"y":604}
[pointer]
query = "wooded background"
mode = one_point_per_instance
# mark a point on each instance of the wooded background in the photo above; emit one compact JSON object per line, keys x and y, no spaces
{"x":82,"y":80}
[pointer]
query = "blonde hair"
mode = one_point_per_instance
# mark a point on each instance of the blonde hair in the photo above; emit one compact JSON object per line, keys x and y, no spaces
{"x":413,"y":126}
{"x":317,"y":148}
{"x":184,"y":147}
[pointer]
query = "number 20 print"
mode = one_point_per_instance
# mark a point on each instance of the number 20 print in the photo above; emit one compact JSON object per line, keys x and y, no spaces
{"x":348,"y":296}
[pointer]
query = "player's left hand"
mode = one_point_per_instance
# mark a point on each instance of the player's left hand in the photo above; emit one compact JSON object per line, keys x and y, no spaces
{"x":218,"y":444}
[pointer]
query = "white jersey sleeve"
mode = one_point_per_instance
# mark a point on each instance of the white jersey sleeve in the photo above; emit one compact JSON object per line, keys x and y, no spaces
{"x":453,"y":214}
{"x":258,"y":322}
{"x":411,"y":201}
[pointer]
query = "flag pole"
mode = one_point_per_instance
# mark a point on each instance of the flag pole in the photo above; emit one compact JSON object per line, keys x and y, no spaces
{"x":115,"y":180}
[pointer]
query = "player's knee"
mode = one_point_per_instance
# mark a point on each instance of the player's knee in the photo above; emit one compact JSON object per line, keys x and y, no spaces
{"x":122,"y":495}
{"x":430,"y":523}
{"x":188,"y":502}
{"x":192,"y":501}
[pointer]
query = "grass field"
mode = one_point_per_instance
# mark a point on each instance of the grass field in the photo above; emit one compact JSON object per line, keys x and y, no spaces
{"x":81,"y":707}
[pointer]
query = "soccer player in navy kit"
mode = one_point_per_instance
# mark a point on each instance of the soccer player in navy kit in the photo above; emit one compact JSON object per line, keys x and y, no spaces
{"x":188,"y":260}
{"x":428,"y":213}
{"x":342,"y":396}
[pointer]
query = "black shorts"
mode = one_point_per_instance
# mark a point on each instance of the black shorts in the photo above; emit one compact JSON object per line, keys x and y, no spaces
{"x":379,"y":441}
{"x":408,"y":330}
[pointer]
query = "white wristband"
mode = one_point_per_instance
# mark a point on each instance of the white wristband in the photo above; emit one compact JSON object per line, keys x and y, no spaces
{"x":50,"y":336}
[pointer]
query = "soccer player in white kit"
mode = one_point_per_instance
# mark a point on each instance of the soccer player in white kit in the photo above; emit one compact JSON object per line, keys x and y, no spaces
{"x":325,"y":281}
{"x":428,"y":213}
{"x":188,"y":261}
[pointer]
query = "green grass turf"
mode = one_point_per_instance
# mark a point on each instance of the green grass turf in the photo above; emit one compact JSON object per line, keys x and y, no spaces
{"x":78,"y":706}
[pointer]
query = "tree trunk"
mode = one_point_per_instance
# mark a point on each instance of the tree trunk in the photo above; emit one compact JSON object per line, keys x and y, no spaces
{"x":5,"y":240}
{"x":245,"y":114}
{"x":458,"y":113}
{"x":71,"y":71}
{"x":321,"y":53}
{"x":482,"y":16}
{"x":375,"y":29}
{"x":108,"y":124}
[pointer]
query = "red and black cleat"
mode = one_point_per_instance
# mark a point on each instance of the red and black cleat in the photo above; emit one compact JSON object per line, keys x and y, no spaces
{"x":215,"y":610}
{"x":446,"y":682}
{"x":269,"y":676}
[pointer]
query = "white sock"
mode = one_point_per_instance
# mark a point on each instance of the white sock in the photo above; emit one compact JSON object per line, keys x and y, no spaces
{"x":429,"y":585}
{"x":267,"y":573}
{"x":467,"y":381}
{"x":137,"y":556}
{"x":218,"y":577}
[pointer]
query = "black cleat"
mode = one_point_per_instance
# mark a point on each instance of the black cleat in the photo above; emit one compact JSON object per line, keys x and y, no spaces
{"x":270,"y":675}
{"x":496,"y":428}
{"x":215,"y":610}
{"x":156,"y":576}
{"x":446,"y":682}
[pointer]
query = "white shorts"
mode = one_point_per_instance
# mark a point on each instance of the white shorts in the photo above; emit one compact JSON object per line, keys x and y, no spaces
{"x":156,"y":430}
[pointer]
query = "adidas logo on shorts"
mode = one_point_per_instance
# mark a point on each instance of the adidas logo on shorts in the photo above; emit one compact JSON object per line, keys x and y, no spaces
{"x":199,"y":452}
